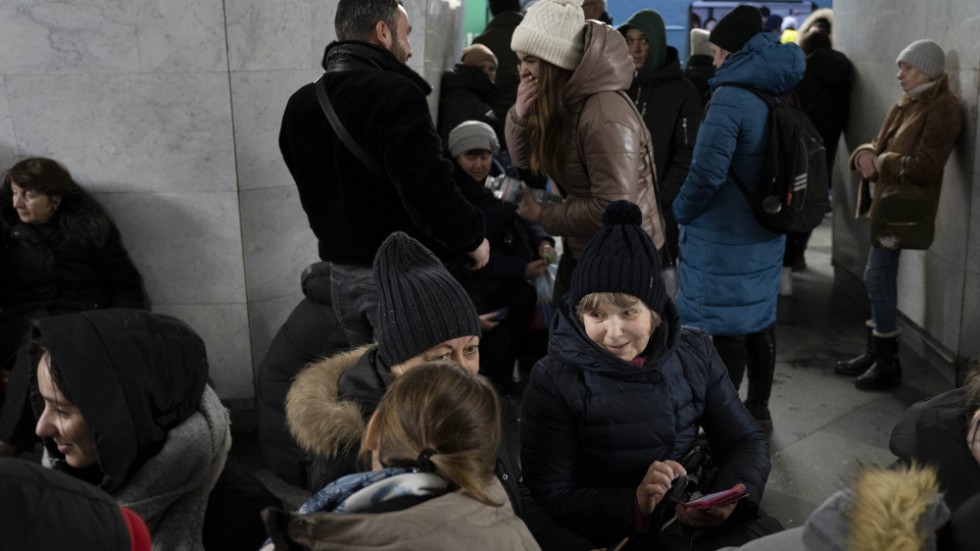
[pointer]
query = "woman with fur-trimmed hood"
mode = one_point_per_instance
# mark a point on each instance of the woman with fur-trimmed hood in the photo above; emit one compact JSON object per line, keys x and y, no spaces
{"x":424,"y":315}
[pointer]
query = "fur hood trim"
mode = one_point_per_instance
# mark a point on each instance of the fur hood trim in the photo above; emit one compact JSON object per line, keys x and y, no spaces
{"x":320,"y":422}
{"x":896,"y":510}
{"x":822,"y":13}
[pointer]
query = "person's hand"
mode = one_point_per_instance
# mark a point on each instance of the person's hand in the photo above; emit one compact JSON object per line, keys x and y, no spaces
{"x":547,"y":252}
{"x":480,"y":256}
{"x":866,"y":165}
{"x":528,"y":208}
{"x":535,"y":269}
{"x":488,"y":321}
{"x":705,"y":517}
{"x":656,"y":483}
{"x":527,"y":92}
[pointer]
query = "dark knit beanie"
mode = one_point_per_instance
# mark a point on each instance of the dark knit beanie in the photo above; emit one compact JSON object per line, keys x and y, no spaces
{"x":621,"y":258}
{"x":736,"y":28}
{"x":420,"y":304}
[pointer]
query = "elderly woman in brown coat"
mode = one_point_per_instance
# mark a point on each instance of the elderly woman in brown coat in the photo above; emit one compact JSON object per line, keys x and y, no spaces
{"x":916,"y":138}
{"x":573,"y":122}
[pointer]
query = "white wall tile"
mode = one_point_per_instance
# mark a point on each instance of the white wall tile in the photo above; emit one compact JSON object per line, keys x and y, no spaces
{"x":278,"y":241}
{"x":260,"y":98}
{"x":268,"y":34}
{"x":162,"y":132}
{"x":181,"y":36}
{"x":187,"y":245}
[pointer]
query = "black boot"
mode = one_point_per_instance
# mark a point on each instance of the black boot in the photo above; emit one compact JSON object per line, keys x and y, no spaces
{"x":761,"y":349}
{"x":732,"y":353}
{"x":858,"y":364}
{"x":885,"y":372}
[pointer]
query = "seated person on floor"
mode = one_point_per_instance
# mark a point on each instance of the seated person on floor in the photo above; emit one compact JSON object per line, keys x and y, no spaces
{"x":944,"y":432}
{"x":123,"y":403}
{"x":432,"y":446}
{"x":424,"y":315}
{"x":612,"y":411}
{"x":519,"y":251}
{"x":59,"y":253}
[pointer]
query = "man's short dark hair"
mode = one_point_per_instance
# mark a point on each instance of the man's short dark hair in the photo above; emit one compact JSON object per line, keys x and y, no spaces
{"x":355,"y":19}
{"x":500,"y":6}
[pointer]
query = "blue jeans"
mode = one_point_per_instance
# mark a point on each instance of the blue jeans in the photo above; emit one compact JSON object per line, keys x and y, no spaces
{"x":355,"y":302}
{"x":881,"y":281}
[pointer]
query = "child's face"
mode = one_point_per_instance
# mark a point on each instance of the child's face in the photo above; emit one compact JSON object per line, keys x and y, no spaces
{"x":475,"y":163}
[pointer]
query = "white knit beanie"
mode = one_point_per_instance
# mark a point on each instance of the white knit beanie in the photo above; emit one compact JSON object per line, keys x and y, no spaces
{"x":926,"y":56}
{"x":552,"y":30}
{"x":699,"y":42}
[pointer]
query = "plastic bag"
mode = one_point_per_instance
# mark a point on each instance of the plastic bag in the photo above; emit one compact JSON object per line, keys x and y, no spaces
{"x":545,"y":286}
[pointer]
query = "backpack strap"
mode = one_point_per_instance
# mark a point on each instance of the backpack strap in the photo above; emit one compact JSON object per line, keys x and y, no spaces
{"x":321,"y":95}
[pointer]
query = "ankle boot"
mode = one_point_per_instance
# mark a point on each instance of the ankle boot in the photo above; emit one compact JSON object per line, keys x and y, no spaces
{"x":858,"y":364}
{"x":761,"y":348}
{"x":886,"y":371}
{"x":732,"y":352}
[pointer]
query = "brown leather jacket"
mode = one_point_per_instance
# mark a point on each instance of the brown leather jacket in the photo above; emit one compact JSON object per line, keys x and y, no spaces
{"x":924,"y":129}
{"x":609,"y":156}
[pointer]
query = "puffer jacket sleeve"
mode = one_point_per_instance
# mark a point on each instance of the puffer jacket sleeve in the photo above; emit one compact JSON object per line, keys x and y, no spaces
{"x":549,"y":451}
{"x":609,"y":138}
{"x":518,"y":142}
{"x":736,"y":441}
{"x":717,"y":139}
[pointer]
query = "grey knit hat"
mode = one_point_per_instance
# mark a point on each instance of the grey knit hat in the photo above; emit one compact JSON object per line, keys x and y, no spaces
{"x":552,"y":30}
{"x":420,"y":305}
{"x":926,"y":56}
{"x":621,"y":258}
{"x":472,"y":135}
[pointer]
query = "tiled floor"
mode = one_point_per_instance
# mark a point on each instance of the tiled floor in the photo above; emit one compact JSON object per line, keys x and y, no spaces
{"x":824,"y":428}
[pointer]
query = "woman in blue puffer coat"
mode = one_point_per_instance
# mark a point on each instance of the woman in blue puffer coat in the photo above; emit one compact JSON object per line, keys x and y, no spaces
{"x":610,"y":414}
{"x":730,"y":264}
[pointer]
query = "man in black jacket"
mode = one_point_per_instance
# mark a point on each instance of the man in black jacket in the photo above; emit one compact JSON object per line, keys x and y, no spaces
{"x":352,"y":207}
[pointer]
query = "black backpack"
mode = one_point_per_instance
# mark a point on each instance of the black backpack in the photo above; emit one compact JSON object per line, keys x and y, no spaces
{"x":792,"y":195}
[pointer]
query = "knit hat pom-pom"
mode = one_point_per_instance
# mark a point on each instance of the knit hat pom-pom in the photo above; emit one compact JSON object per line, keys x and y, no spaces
{"x":622,"y":212}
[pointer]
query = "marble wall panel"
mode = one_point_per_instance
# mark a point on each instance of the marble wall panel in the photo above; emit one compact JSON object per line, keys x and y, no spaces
{"x":278,"y":241}
{"x":259,"y":98}
{"x":224,"y":329}
{"x":8,"y":139}
{"x":181,"y":36}
{"x":269,"y":34}
{"x":188,"y":246}
{"x":72,"y":36}
{"x":129,"y":132}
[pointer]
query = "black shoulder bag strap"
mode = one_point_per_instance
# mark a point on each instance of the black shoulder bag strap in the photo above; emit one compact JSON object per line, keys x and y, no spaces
{"x":338,"y":127}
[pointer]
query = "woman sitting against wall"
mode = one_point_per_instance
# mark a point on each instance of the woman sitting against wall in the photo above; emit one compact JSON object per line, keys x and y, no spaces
{"x":59,"y":253}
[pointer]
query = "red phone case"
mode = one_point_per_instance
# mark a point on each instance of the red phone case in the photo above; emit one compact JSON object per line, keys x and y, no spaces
{"x":717,"y":499}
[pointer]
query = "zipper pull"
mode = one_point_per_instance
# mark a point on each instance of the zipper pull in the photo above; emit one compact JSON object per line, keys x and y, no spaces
{"x":684,"y":126}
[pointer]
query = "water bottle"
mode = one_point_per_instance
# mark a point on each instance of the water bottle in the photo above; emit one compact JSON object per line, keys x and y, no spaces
{"x":508,"y":189}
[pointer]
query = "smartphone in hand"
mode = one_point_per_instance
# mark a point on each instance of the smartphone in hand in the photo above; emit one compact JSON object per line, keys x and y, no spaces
{"x":717,"y":499}
{"x":500,"y":314}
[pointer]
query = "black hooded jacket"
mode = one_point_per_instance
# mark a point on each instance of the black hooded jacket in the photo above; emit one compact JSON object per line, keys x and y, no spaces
{"x":465,"y":95}
{"x":132,"y":374}
{"x":671,"y":108}
{"x":381,"y":103}
{"x":825,"y":95}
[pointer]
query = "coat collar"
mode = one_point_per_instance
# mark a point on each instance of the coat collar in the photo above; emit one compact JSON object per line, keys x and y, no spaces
{"x":354,"y":55}
{"x":929,"y":95}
